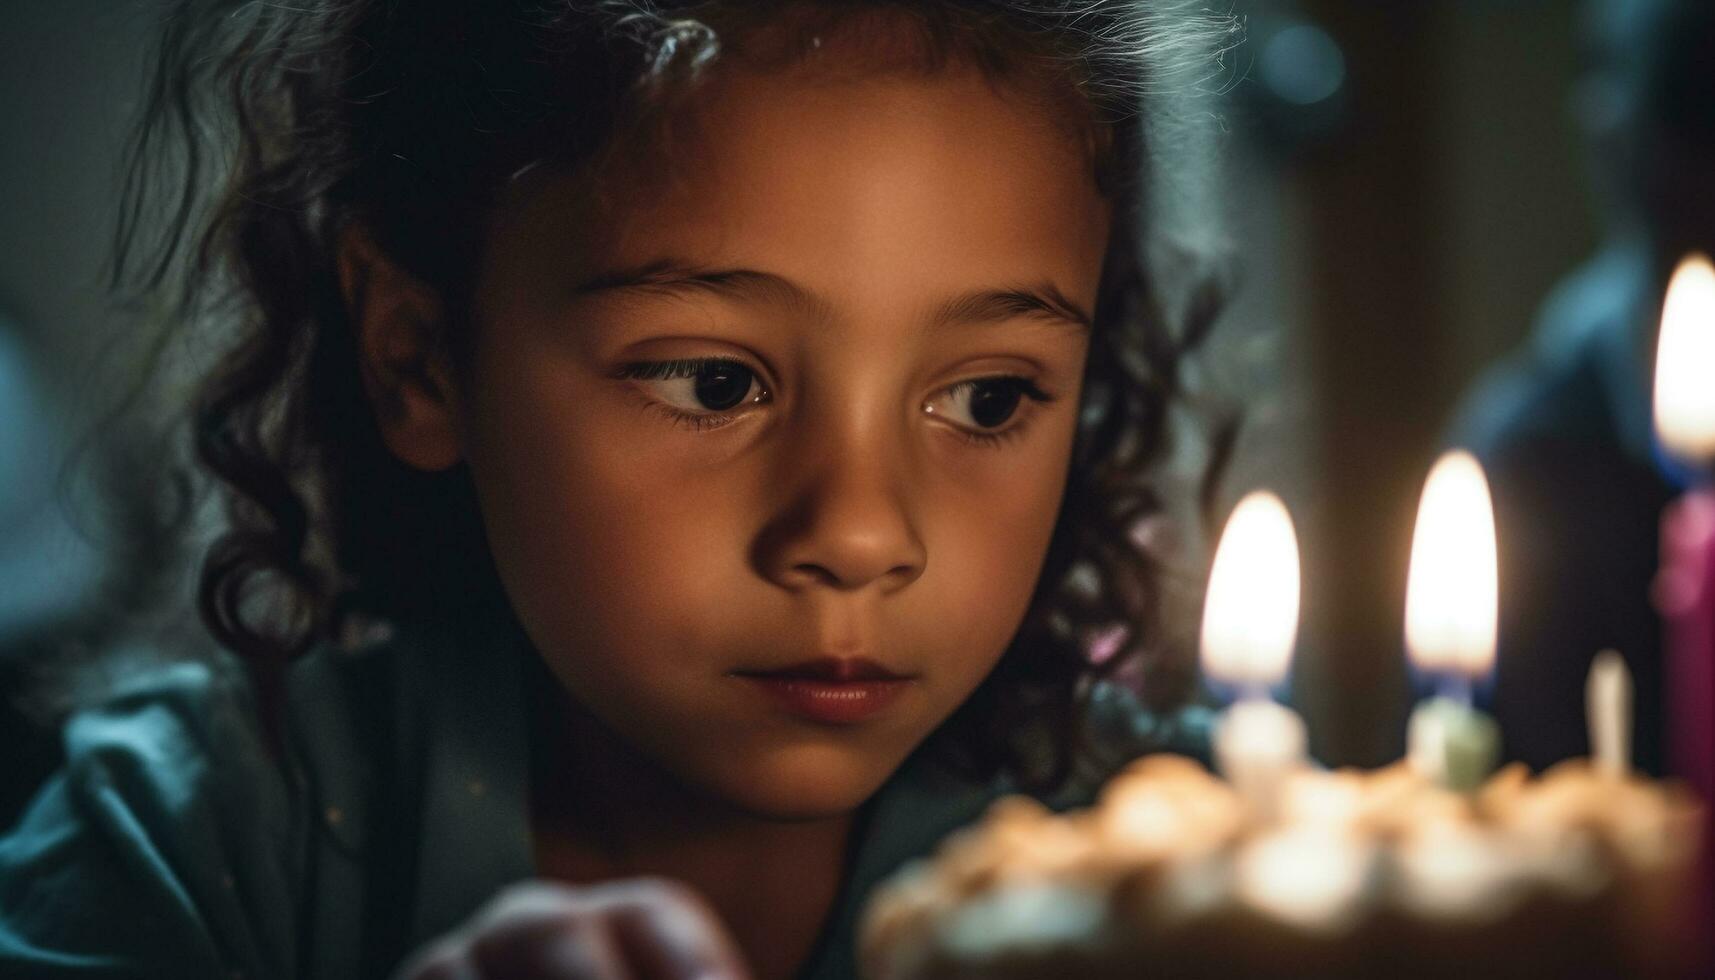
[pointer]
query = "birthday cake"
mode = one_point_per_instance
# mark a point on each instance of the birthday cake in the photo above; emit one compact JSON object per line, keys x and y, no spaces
{"x":1576,"y":873}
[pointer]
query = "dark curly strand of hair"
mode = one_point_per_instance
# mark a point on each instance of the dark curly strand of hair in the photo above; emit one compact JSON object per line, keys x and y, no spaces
{"x":409,"y":117}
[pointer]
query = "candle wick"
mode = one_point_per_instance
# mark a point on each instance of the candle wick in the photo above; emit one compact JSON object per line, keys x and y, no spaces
{"x":1457,"y":689}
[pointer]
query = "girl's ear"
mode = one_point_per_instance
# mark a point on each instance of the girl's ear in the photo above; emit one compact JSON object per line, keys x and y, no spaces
{"x":398,"y":320}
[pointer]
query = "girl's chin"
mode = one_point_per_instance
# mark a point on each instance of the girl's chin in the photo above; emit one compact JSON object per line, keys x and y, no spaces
{"x":806,"y":783}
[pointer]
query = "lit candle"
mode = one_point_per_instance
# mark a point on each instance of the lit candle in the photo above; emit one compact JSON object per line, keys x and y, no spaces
{"x":1685,"y":587}
{"x":1608,"y":706}
{"x":1250,"y":622}
{"x":1450,"y":622}
{"x":1684,"y":399}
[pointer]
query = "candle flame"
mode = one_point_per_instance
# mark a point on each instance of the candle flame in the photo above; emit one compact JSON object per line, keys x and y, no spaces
{"x":1684,"y":397}
{"x":1250,"y":617}
{"x":1451,"y":593}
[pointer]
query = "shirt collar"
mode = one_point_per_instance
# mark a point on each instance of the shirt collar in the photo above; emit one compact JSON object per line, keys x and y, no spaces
{"x":916,"y":808}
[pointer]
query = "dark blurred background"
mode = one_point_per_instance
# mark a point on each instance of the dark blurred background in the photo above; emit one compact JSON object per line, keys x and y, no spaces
{"x":1407,"y":183}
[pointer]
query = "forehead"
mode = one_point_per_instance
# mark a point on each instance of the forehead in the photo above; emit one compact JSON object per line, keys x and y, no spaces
{"x":893,"y":181}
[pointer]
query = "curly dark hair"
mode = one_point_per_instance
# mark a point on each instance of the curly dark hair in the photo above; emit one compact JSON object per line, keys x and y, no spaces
{"x":271,"y":129}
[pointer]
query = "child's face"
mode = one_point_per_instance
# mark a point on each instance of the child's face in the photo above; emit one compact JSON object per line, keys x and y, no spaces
{"x":820,"y":510}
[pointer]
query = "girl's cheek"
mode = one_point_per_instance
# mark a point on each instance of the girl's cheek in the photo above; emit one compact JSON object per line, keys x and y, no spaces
{"x":996,"y":526}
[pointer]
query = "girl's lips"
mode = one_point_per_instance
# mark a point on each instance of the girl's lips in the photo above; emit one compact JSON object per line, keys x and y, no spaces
{"x":841,"y":669}
{"x":829,"y":702}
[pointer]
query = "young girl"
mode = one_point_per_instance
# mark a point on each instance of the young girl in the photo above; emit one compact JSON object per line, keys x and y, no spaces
{"x":679,"y":455}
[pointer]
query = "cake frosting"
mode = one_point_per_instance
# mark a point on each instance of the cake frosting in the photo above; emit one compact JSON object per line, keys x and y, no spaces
{"x":1576,"y":873}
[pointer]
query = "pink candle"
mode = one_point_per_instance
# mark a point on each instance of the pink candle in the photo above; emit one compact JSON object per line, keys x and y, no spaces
{"x":1685,"y":595}
{"x":1685,"y":590}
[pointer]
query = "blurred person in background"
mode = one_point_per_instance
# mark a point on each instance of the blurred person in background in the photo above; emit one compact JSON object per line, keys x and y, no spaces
{"x":1564,"y":425}
{"x":89,"y":560}
{"x":92,"y":581}
{"x":46,"y":569}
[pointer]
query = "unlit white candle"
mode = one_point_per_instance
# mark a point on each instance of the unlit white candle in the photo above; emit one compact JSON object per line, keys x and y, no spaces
{"x":1608,"y":703}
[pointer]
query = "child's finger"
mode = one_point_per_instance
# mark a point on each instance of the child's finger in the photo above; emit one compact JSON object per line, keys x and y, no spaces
{"x":445,"y":960}
{"x":566,"y":947}
{"x":669,"y":933}
{"x":643,"y":928}
{"x":530,"y":900}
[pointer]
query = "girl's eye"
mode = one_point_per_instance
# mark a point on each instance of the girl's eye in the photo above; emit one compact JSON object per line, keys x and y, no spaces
{"x":699,"y":392}
{"x":702,"y":393}
{"x":980,"y":407}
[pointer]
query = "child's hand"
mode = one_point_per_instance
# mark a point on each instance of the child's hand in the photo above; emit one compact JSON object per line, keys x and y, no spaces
{"x":643,"y":928}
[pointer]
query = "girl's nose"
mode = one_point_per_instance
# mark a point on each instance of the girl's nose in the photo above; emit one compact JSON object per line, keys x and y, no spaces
{"x":846,"y":522}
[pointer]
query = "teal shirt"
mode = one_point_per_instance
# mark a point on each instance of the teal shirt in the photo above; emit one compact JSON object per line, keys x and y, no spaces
{"x":170,"y":845}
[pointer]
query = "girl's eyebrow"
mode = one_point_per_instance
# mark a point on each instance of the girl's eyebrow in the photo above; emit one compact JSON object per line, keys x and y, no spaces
{"x":1044,"y":302}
